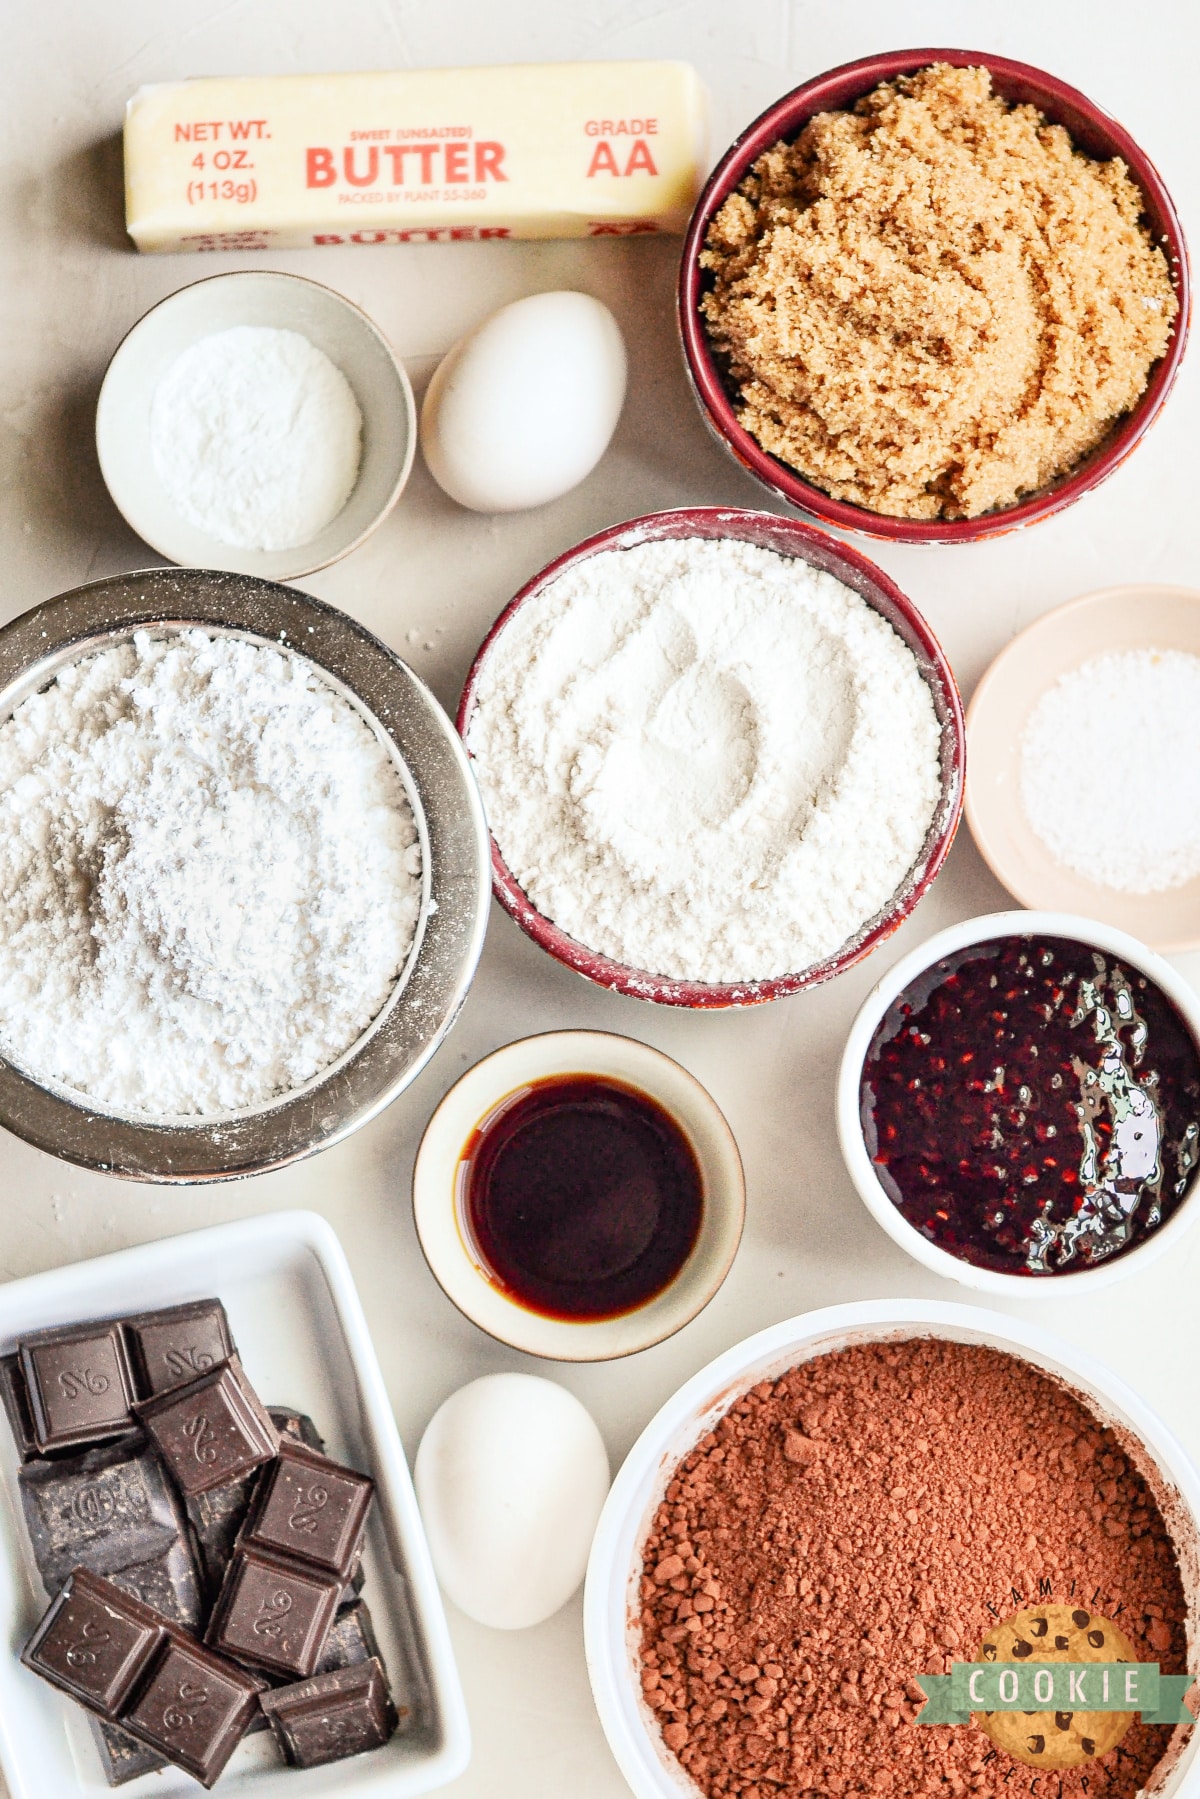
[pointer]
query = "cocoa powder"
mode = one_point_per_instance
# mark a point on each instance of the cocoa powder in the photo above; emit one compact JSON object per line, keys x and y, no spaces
{"x":866,"y":1518}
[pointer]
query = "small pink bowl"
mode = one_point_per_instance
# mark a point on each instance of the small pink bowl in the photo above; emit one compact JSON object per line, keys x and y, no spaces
{"x":787,"y":537}
{"x":1092,"y":132}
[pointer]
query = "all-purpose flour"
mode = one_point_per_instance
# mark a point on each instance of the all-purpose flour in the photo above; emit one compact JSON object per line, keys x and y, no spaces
{"x":209,"y":876}
{"x":256,"y":436}
{"x":705,"y":760}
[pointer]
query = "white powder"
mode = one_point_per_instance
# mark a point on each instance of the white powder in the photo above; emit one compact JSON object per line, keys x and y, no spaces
{"x":256,"y":437}
{"x":705,"y":760}
{"x":1110,"y":770}
{"x":209,"y":876}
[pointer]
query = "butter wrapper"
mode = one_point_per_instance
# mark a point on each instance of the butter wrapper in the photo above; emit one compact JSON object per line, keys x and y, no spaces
{"x":281,"y":162}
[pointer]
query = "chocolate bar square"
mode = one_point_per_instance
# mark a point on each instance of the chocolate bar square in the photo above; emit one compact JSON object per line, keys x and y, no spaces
{"x":15,"y":1397}
{"x":334,"y":1715}
{"x":79,"y":1385}
{"x":194,"y":1709}
{"x":212,"y":1430}
{"x":104,"y":1509}
{"x":274,"y":1614}
{"x":95,"y":1643}
{"x":312,"y":1508}
{"x":170,"y":1347}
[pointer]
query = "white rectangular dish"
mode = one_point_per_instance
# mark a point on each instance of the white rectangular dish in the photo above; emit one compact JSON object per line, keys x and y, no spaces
{"x":298,"y":1323}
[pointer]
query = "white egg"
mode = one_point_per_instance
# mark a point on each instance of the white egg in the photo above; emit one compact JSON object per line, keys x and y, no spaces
{"x":524,"y":406}
{"x":511,"y":1475}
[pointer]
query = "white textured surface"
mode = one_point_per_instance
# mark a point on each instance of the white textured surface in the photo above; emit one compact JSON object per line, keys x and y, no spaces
{"x":434,"y":577}
{"x":256,"y":437}
{"x":209,"y":876}
{"x":705,"y":760}
{"x":1110,"y":769}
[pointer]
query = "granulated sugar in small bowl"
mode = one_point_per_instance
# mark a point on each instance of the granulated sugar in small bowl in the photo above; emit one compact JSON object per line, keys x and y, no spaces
{"x":257,"y":422}
{"x":242,"y":875}
{"x":720,"y":753}
{"x":856,"y":1498}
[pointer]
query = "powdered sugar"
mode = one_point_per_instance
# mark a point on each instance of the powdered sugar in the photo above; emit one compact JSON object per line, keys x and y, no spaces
{"x":256,"y":437}
{"x":210,"y":876}
{"x":705,"y":760}
{"x":1110,"y":769}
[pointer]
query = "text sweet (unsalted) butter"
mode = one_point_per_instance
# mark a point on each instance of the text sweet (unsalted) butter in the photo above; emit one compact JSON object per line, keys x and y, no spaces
{"x":432,"y":155}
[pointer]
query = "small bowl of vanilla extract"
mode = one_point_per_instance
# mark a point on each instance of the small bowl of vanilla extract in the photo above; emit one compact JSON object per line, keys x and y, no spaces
{"x":579,"y":1195}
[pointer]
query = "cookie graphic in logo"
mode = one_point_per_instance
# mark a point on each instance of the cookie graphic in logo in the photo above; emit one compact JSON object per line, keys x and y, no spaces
{"x":1055,"y":1633}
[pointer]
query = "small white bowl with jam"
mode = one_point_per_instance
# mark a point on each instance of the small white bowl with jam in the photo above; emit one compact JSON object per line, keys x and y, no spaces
{"x":1019,"y":1103}
{"x":579,"y":1195}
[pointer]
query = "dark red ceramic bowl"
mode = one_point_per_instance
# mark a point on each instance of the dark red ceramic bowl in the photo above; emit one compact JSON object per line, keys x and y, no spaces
{"x":788,"y":537}
{"x":1092,"y":131}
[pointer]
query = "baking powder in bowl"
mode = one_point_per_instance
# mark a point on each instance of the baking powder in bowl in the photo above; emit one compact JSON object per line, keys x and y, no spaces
{"x":256,"y":436}
{"x":210,"y":877}
{"x":704,"y":759}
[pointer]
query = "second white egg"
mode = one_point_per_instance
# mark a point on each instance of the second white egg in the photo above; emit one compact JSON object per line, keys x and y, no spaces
{"x":511,"y":1476}
{"x":525,"y":405}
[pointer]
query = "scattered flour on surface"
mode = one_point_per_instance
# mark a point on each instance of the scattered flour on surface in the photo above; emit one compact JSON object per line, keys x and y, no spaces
{"x":256,"y":436}
{"x":210,"y":876}
{"x":705,"y":760}
{"x":1110,"y":769}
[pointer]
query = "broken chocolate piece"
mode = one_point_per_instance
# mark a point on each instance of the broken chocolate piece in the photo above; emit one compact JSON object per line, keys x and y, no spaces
{"x":167,"y":1583}
{"x":311,"y":1508}
{"x":170,"y":1347}
{"x":94,"y":1642}
{"x":216,"y":1518}
{"x":297,"y":1425}
{"x":15,"y":1397}
{"x":79,"y":1385}
{"x":194,"y":1709}
{"x":104,"y":1509}
{"x":212,"y":1430}
{"x":334,"y":1715}
{"x":122,"y":1756}
{"x":274,"y":1614}
{"x":351,"y":1640}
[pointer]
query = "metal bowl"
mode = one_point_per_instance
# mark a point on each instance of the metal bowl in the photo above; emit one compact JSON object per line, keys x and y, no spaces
{"x":441,"y":789}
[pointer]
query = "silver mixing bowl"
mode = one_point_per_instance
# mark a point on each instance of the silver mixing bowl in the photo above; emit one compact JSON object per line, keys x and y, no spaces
{"x":431,"y":760}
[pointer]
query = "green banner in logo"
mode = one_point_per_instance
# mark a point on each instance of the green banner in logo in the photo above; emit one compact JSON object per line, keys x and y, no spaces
{"x":1055,"y":1687}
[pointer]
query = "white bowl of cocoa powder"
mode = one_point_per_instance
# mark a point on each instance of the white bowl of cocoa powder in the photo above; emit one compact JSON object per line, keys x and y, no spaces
{"x":856,"y":1496}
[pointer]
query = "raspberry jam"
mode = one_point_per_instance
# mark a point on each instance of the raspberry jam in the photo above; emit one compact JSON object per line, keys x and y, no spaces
{"x":582,"y":1196}
{"x":1032,"y":1107}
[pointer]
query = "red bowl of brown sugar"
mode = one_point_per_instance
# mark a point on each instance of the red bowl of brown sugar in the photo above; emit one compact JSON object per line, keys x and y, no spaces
{"x":735,"y":400}
{"x":858,"y":1497}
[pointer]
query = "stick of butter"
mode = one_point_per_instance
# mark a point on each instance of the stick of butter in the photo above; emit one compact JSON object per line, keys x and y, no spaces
{"x":541,"y":150}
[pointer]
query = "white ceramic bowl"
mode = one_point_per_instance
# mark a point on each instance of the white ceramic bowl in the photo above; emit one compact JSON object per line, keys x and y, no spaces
{"x":454,"y":1263}
{"x":854,"y":1151}
{"x":287,"y":302}
{"x":611,"y":1602}
{"x":298,"y":1322}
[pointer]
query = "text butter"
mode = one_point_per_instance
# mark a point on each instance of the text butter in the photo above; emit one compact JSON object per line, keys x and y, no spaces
{"x":432,"y":155}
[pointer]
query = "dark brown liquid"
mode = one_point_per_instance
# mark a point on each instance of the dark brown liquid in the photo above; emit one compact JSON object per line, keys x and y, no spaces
{"x":581,"y":1196}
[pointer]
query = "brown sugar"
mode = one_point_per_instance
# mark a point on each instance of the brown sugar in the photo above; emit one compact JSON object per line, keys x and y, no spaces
{"x":934,"y":305}
{"x":869,"y":1517}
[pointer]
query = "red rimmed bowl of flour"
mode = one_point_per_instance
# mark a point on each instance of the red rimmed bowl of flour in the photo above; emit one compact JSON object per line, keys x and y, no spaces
{"x":721,"y":755}
{"x":1092,"y":132}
